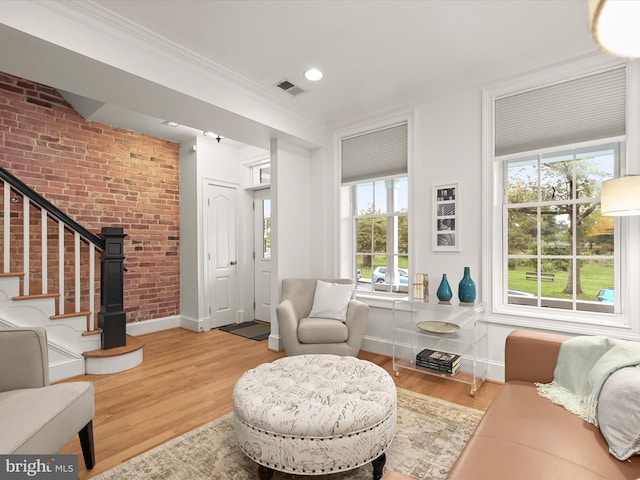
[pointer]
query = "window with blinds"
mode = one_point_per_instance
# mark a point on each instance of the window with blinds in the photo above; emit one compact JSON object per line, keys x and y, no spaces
{"x":587,"y":108}
{"x":378,"y":154}
{"x":554,"y":146}
{"x":374,"y":172}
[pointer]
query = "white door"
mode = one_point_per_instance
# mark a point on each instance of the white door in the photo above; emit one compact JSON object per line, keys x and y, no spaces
{"x":221,"y":254}
{"x":262,"y":254}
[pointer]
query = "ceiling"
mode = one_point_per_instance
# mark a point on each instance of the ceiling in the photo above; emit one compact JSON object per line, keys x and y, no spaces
{"x":374,"y":54}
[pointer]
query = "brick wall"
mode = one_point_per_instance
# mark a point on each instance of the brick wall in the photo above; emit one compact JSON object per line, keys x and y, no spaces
{"x":100,"y":176}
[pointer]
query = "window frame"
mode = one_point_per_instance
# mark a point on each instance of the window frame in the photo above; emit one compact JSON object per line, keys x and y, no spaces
{"x":625,"y":323}
{"x":347,"y":240}
{"x":392,"y":214}
{"x":501,"y":164}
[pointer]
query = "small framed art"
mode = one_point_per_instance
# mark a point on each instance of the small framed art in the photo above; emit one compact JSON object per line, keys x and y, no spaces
{"x":445,"y":218}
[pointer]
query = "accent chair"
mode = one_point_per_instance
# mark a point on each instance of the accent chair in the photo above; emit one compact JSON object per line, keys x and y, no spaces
{"x":38,"y":418}
{"x":304,"y":334}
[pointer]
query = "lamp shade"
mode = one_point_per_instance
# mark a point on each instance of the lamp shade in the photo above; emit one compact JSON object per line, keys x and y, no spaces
{"x":621,"y":196}
{"x":614,"y":25}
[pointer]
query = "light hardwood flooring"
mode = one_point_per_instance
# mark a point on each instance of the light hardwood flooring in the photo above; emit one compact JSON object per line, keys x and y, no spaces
{"x":187,"y":379}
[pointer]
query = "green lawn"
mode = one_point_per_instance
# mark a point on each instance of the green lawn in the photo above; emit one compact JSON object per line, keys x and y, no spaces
{"x":593,"y":278}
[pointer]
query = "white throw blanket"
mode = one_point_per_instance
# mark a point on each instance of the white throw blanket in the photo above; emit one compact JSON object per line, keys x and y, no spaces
{"x":584,"y":364}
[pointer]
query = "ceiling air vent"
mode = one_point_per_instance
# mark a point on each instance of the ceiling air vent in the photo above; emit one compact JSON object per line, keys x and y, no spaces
{"x":289,"y":87}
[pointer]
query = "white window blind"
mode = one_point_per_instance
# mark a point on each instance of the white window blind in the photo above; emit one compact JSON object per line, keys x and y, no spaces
{"x":588,"y":108}
{"x":378,"y":154}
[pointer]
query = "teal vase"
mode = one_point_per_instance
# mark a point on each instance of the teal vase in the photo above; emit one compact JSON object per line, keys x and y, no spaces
{"x":467,"y":288}
{"x":444,"y":293}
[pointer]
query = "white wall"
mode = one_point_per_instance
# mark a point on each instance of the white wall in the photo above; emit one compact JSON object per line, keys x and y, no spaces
{"x":291,"y":219}
{"x":448,"y":132}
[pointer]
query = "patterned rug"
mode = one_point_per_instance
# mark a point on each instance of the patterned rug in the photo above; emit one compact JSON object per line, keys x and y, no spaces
{"x":429,"y":437}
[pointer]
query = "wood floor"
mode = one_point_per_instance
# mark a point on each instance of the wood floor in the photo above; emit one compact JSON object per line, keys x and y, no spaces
{"x":187,"y":379}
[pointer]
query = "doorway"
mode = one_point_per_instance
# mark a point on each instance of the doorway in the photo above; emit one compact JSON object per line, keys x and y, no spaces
{"x":262,"y":254}
{"x":221,"y":254}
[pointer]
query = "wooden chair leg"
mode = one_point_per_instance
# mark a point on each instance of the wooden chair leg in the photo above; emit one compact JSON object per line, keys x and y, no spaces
{"x":86,"y":442}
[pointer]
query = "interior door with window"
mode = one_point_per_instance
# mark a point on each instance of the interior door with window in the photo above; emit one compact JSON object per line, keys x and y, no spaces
{"x":221,"y":254}
{"x":262,"y":254}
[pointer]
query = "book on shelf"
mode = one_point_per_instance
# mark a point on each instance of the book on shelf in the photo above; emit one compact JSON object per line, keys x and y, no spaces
{"x":438,"y":358}
{"x":439,"y":367}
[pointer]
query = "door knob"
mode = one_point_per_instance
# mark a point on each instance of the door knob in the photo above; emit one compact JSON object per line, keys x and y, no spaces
{"x":233,"y":263}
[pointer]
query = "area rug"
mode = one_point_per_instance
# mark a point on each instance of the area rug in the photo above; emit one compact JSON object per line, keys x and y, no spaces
{"x":253,"y":330}
{"x":429,"y":437}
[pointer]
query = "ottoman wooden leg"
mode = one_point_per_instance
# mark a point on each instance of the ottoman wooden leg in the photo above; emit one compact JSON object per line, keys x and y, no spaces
{"x":378,"y":466}
{"x":265,"y":473}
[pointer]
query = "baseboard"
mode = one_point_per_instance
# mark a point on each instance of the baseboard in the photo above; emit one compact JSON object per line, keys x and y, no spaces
{"x":67,"y":368}
{"x":195,"y":325}
{"x":275,"y":343}
{"x":154,"y":325}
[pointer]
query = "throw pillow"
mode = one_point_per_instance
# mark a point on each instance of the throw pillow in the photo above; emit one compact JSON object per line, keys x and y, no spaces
{"x":619,"y":412}
{"x":331,"y":300}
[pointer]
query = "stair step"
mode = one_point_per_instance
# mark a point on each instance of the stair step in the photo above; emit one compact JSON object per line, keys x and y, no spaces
{"x":69,"y":315}
{"x":36,"y":295}
{"x":133,"y":344}
{"x":97,"y":331}
{"x":12,"y":274}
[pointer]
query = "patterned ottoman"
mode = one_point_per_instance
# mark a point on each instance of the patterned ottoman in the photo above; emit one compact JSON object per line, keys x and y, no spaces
{"x":315,"y":414}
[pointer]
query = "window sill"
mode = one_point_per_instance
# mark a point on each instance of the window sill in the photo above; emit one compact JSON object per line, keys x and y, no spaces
{"x":379,"y":301}
{"x":615,"y":327}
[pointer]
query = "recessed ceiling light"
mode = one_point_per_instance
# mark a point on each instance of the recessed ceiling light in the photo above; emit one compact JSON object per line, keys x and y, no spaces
{"x":171,"y":124}
{"x":313,"y":74}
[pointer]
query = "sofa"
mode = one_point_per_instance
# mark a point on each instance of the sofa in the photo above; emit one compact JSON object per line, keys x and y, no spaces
{"x":524,"y":436}
{"x":38,"y":418}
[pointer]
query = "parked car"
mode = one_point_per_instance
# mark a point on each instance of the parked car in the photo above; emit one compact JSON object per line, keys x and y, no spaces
{"x":401,"y":277}
{"x":605,"y":295}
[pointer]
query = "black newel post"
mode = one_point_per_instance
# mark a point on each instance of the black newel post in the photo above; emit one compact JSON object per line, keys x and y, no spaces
{"x":112,"y":318}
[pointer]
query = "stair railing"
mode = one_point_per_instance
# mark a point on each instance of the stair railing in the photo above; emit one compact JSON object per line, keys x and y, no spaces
{"x":64,"y":223}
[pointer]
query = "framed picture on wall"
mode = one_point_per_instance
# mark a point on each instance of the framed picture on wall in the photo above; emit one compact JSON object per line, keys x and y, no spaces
{"x":445,"y":218}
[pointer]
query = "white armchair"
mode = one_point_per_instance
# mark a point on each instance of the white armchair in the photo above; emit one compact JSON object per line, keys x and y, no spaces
{"x":38,"y":418}
{"x":302,"y":335}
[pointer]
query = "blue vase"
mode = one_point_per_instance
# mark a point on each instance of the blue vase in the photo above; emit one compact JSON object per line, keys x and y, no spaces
{"x":444,"y":293}
{"x":467,"y":288}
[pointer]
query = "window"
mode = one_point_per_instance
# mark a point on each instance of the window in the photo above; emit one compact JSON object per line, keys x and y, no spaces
{"x":560,"y":251}
{"x":376,"y":200}
{"x":380,"y":218}
{"x":261,"y":174}
{"x":266,"y":229}
{"x":553,"y":253}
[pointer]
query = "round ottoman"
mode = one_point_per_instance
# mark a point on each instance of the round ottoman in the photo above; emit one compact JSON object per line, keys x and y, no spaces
{"x":315,"y":414}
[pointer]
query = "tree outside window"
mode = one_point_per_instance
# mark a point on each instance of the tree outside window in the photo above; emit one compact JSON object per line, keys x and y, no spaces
{"x":561,"y":251}
{"x":380,"y":215}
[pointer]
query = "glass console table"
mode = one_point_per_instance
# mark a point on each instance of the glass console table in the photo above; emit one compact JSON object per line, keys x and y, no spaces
{"x":453,"y":329}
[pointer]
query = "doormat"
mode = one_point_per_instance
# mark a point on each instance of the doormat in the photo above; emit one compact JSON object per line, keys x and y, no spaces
{"x":253,"y":330}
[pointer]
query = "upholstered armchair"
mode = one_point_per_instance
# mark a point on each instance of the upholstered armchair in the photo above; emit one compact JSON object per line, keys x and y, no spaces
{"x":38,"y":418}
{"x":306,"y":332}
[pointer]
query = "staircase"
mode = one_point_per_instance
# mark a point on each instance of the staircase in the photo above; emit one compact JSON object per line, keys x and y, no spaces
{"x":48,"y":278}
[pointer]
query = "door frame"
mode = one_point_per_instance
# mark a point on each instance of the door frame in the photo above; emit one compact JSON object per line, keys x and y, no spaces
{"x":208,"y":304}
{"x":257,"y":197}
